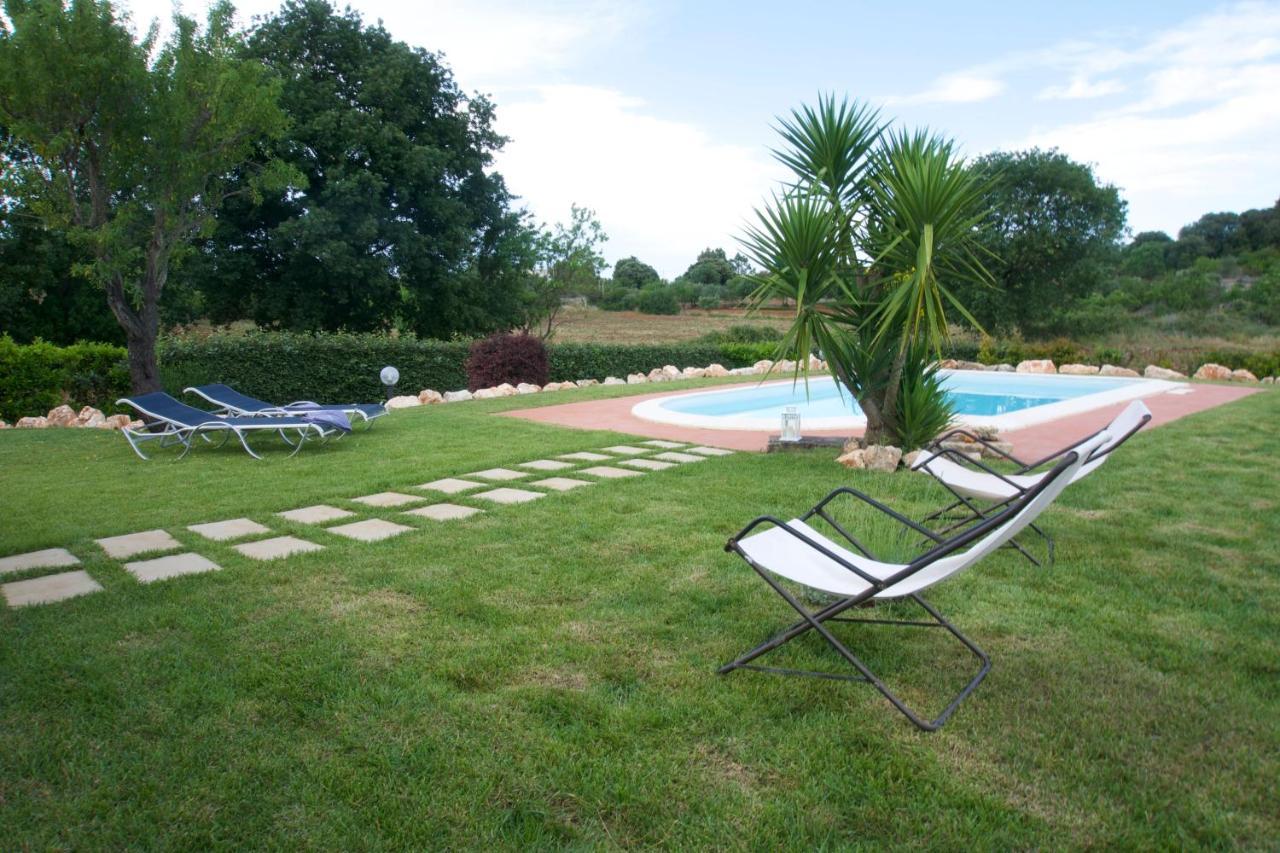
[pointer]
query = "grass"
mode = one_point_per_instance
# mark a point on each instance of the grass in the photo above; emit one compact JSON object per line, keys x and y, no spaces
{"x":581,"y":324}
{"x":542,"y":675}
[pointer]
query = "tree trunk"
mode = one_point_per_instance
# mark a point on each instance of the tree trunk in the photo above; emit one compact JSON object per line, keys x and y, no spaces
{"x":144,"y":370}
{"x":141,"y":329}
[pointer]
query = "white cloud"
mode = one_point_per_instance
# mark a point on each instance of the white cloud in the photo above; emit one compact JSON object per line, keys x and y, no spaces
{"x":1081,"y":88}
{"x":963,"y":88}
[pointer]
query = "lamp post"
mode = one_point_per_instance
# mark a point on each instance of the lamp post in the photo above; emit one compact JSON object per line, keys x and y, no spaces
{"x":389,"y":376}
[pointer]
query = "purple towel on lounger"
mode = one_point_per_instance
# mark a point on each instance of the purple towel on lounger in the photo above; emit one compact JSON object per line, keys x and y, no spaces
{"x":324,"y":417}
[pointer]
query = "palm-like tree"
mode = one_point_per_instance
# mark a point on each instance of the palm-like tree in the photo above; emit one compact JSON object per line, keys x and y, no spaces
{"x":868,"y":241}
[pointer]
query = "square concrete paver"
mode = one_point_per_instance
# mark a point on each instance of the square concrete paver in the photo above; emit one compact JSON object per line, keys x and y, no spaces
{"x":172,"y":566}
{"x":609,"y":473}
{"x":130,"y":544}
{"x":318,"y":514}
{"x":450,"y":485}
{"x":561,"y":484}
{"x":586,"y":456}
{"x":47,"y":559}
{"x":647,"y":464}
{"x":709,"y":451}
{"x":546,"y":465}
{"x":389,"y":499}
{"x":675,"y":456}
{"x":221,"y":531}
{"x":370,"y":530}
{"x":626,"y":450}
{"x":499,"y":474}
{"x":277,"y":547}
{"x":509,"y":496}
{"x":443,"y":512}
{"x":49,"y":588}
{"x":665,"y":445}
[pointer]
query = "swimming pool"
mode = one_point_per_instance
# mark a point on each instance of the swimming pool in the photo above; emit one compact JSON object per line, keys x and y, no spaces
{"x":1001,"y":400}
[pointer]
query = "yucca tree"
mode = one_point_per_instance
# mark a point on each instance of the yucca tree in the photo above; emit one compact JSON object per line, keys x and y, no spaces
{"x":868,"y":241}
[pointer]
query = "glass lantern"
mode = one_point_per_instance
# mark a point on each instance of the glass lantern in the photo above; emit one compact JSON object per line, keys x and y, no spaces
{"x":389,"y":376}
{"x":790,"y":424}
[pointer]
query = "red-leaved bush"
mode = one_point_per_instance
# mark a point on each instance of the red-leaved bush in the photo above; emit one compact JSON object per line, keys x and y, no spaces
{"x":506,"y":358}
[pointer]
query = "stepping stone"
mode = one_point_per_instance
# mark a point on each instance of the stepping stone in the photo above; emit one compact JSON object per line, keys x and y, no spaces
{"x":318,"y":514}
{"x":499,"y":474}
{"x":49,"y":588}
{"x":586,"y":456}
{"x":130,"y":544}
{"x":388,"y":499}
{"x":509,"y":496}
{"x":647,"y":464}
{"x":221,"y":531}
{"x":449,"y":485}
{"x":172,"y":566}
{"x":609,"y":473}
{"x":561,"y":484}
{"x":273,"y":549}
{"x":546,"y":465}
{"x":443,"y":512}
{"x":673,"y":456}
{"x":46,"y":559}
{"x":665,"y":445}
{"x":626,"y":450}
{"x":370,"y":530}
{"x":709,"y":451}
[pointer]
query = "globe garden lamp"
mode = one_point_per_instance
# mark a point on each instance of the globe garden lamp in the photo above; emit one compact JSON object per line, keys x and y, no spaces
{"x":389,"y":376}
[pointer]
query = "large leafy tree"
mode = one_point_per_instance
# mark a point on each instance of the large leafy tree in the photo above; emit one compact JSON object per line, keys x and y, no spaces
{"x":566,"y":261}
{"x":1055,"y":229}
{"x":633,"y":273}
{"x":401,"y":221}
{"x":869,"y":240}
{"x":127,"y":149}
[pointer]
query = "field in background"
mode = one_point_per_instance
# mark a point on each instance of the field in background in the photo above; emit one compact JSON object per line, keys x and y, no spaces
{"x":580,"y":324}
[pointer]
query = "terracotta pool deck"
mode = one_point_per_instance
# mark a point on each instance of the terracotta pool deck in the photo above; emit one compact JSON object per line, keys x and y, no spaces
{"x":1031,"y":441}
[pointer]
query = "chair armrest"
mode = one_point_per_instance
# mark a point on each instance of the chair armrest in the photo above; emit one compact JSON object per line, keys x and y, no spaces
{"x":820,"y":510}
{"x":732,"y":545}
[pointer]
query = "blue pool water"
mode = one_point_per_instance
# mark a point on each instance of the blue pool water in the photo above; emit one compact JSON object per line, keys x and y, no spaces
{"x":984,"y":394}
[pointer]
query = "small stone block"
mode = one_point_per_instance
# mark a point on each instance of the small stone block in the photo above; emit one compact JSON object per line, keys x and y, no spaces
{"x":369,"y":530}
{"x":586,"y":456}
{"x":710,"y":451}
{"x":49,"y":588}
{"x":130,"y":544}
{"x":449,"y":485}
{"x":561,"y":484}
{"x":388,"y":499}
{"x":626,"y":450}
{"x":443,"y":512}
{"x":665,"y":445}
{"x":318,"y":514}
{"x":499,"y":474}
{"x":609,"y":473}
{"x":673,"y":456}
{"x":273,"y":549}
{"x":172,"y":566}
{"x":509,"y":496}
{"x":221,"y":531}
{"x":647,"y":464}
{"x":546,"y":465}
{"x":46,"y":559}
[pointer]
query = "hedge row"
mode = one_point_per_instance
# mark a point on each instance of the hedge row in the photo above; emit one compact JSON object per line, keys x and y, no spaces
{"x":36,"y":377}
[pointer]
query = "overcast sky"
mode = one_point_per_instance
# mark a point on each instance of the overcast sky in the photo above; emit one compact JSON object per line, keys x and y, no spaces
{"x":658,"y":114}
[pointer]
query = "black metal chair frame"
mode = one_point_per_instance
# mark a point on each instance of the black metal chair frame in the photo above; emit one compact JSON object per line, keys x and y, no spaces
{"x":816,"y":620}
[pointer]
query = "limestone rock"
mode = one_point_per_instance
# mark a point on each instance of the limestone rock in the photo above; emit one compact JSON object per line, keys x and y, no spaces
{"x":853,"y":459}
{"x":634,"y":379}
{"x":909,"y":460}
{"x":587,"y":383}
{"x":528,"y":388}
{"x":988,"y":432}
{"x":116,"y":422}
{"x":742,"y":371}
{"x":1153,"y":371}
{"x":1112,"y":370}
{"x":1213,"y":371}
{"x":693,"y":372}
{"x":785,"y":366}
{"x":506,"y":389}
{"x":405,"y":401}
{"x":613,"y":380}
{"x":882,"y":457}
{"x":1079,"y":369}
{"x":456,"y":396}
{"x":3,"y":425}
{"x":61,"y":416}
{"x":1270,"y":380}
{"x":655,"y":375}
{"x":90,"y":417}
{"x":1243,"y":375}
{"x":671,"y":371}
{"x":764,"y":365}
{"x":32,"y":423}
{"x":716,"y":370}
{"x":996,"y":449}
{"x":1036,"y":365}
{"x":948,"y":364}
{"x":1004,"y":368}
{"x":426,"y":397}
{"x":485,"y":394}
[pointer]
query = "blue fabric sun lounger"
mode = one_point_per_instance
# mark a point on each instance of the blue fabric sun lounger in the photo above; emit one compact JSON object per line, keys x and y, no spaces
{"x":232,"y":402}
{"x":172,"y":421}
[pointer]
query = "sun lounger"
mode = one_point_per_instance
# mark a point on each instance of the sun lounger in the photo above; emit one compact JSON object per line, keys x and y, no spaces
{"x":170,"y":421}
{"x":232,"y":402}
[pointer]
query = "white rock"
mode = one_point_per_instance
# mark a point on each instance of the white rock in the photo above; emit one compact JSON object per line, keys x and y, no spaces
{"x":716,"y":370}
{"x":1112,"y":370}
{"x":1213,"y":371}
{"x":743,"y":371}
{"x":586,"y":383}
{"x":506,"y":389}
{"x":785,"y":366}
{"x":656,"y":375}
{"x":909,"y":459}
{"x":1036,"y":365}
{"x":1004,"y":368}
{"x":116,"y":422}
{"x":853,"y":459}
{"x":881,"y":457}
{"x":426,"y":397}
{"x":1079,"y":369}
{"x":613,"y":380}
{"x":635,"y":379}
{"x":1243,"y":375}
{"x":90,"y":417}
{"x":61,"y":416}
{"x":404,"y":401}
{"x":32,"y":423}
{"x":1155,"y":372}
{"x":693,"y":372}
{"x":485,"y":394}
{"x":456,"y":396}
{"x":762,"y":366}
{"x":528,"y":388}
{"x":3,"y":425}
{"x":1270,"y":380}
{"x":670,"y":371}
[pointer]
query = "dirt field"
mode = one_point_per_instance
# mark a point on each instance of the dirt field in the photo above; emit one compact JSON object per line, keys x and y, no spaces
{"x":591,"y":325}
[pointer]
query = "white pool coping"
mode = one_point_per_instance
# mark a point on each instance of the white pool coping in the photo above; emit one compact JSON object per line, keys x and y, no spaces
{"x":654,"y":411}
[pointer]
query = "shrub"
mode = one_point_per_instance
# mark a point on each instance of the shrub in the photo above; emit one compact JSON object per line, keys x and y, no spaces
{"x":744,"y":334}
{"x":748,"y":354}
{"x":506,"y":358}
{"x":658,"y":299}
{"x":38,"y":376}
{"x":708,"y":301}
{"x":619,"y":299}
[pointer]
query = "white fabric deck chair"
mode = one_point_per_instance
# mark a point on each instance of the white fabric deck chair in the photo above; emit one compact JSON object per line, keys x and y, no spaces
{"x":979,"y":490}
{"x":796,"y":552}
{"x":170,"y":422}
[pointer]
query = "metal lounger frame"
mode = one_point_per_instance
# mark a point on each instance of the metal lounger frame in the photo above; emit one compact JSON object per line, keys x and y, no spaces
{"x":224,"y":408}
{"x":178,"y":433}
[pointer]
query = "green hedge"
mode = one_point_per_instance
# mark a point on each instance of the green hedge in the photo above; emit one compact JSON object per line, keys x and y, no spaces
{"x":36,"y":377}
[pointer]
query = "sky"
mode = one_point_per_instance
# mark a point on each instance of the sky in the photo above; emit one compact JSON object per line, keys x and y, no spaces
{"x":660,"y":115}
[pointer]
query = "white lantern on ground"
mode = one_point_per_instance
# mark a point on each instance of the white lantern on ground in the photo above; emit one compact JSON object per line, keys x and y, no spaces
{"x":790,"y":424}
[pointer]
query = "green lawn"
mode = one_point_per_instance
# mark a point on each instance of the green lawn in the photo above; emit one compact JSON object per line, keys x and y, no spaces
{"x":543,"y":674}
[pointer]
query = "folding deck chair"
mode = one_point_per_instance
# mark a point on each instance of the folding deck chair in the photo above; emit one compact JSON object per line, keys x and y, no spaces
{"x":171,"y":422}
{"x":978,"y":489}
{"x":231,"y":402}
{"x":796,"y":552}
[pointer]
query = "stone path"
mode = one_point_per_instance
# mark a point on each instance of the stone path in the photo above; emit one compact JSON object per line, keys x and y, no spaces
{"x":260,"y":542}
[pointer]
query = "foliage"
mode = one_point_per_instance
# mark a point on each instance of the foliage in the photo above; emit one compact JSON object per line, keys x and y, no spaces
{"x":38,"y":376}
{"x":743,"y":334}
{"x":619,"y":299}
{"x":657,"y":299}
{"x":568,"y":263}
{"x":129,"y":154}
{"x":924,"y":409}
{"x":633,"y":273}
{"x":508,"y":359}
{"x":712,"y":267}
